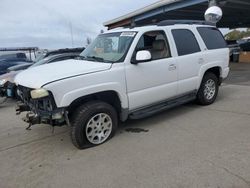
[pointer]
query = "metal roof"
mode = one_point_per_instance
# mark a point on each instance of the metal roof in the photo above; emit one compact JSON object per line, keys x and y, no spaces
{"x":141,"y":11}
{"x":235,"y":13}
{"x":19,"y":49}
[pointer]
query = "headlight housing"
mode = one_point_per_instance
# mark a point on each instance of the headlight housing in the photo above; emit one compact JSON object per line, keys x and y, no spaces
{"x":2,"y":82}
{"x":39,"y":93}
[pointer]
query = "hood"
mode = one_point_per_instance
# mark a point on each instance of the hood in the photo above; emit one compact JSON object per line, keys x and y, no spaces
{"x":36,"y":77}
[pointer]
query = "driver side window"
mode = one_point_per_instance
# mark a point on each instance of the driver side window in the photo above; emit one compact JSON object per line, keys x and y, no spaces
{"x":156,"y":43}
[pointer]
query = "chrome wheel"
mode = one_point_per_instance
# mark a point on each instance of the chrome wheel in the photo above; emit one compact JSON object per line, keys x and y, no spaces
{"x":99,"y":128}
{"x":210,"y":89}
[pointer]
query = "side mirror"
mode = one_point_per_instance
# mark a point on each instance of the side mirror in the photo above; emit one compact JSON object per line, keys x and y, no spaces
{"x":142,"y":56}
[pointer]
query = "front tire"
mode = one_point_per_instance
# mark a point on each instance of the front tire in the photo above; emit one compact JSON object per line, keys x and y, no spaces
{"x":209,"y":89}
{"x":93,"y":124}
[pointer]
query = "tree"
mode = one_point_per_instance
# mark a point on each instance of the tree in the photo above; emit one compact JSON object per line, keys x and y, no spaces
{"x":236,"y":34}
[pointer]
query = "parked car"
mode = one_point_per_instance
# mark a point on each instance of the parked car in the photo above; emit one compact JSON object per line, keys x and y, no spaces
{"x":20,"y":67}
{"x":45,"y":54}
{"x":9,"y":60}
{"x":2,"y":93}
{"x":235,"y":49}
{"x":126,"y":73}
{"x":14,"y":56}
{"x":56,"y":58}
{"x":245,"y":46}
{"x":59,"y":51}
{"x":7,"y":85}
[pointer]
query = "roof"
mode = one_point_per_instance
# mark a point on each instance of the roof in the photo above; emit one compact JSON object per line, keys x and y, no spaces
{"x":140,"y":11}
{"x":235,"y":13}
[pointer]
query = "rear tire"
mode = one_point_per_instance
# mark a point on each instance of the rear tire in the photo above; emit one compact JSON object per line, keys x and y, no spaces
{"x":209,"y":88}
{"x":93,"y":124}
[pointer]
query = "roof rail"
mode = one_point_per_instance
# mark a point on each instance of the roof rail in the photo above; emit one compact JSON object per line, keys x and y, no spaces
{"x":190,"y":22}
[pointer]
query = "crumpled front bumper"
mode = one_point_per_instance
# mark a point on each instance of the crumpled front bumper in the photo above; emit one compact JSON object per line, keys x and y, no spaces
{"x":40,"y":111}
{"x":56,"y":117}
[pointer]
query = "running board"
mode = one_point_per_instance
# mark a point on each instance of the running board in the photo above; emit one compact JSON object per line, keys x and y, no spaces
{"x":151,"y":110}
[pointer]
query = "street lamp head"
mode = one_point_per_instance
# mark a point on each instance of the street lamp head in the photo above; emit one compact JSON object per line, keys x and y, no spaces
{"x":213,"y":14}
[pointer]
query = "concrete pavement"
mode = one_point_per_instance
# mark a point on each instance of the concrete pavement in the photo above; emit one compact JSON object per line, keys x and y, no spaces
{"x":189,"y":146}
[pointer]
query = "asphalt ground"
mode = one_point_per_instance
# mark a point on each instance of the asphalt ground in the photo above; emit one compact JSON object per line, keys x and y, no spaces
{"x":185,"y":147}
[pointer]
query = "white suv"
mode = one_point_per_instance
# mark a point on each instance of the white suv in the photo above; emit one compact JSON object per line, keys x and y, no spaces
{"x":126,"y":73}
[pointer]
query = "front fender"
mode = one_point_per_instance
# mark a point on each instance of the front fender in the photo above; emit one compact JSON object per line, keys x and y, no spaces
{"x":71,"y":96}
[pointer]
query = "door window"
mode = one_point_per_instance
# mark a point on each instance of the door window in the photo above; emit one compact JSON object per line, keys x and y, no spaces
{"x":185,"y":41}
{"x":156,"y":43}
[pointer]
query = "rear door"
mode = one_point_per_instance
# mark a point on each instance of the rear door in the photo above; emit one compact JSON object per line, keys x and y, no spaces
{"x":189,"y":59}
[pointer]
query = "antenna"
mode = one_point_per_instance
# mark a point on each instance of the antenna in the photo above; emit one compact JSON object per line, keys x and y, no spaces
{"x":71,"y":33}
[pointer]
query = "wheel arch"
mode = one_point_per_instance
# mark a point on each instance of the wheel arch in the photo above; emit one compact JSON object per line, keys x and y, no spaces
{"x":111,"y":97}
{"x":217,"y":70}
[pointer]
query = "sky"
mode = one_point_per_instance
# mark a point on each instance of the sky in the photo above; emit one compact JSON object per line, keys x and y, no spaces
{"x":48,"y":23}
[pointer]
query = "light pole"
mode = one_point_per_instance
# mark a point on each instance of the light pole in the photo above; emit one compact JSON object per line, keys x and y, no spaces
{"x":71,"y":33}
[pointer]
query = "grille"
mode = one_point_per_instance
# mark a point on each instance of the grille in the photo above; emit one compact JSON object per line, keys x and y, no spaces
{"x":45,"y":104}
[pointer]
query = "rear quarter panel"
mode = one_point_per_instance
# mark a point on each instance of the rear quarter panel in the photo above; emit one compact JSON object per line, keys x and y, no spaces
{"x":214,"y":58}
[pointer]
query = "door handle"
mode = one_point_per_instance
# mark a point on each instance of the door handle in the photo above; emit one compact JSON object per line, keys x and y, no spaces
{"x":172,"y":67}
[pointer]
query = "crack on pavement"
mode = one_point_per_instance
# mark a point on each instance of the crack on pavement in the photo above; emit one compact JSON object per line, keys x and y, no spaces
{"x":211,"y":109}
{"x":32,"y":141}
{"x":231,"y":173}
{"x":238,"y":113}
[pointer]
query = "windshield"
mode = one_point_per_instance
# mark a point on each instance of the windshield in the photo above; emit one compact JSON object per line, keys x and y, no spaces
{"x":40,"y":57}
{"x":40,"y":62}
{"x":109,"y":48}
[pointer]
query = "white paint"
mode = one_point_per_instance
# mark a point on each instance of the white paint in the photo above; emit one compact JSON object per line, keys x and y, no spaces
{"x":137,"y":85}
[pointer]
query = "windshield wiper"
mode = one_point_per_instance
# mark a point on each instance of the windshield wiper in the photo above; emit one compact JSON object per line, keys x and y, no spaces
{"x":81,"y":57}
{"x":99,"y":59}
{"x":95,"y":58}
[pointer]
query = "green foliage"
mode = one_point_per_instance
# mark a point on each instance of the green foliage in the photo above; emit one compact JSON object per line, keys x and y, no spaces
{"x":236,"y":34}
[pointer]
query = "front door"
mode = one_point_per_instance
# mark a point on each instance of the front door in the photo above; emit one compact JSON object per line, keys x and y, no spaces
{"x":153,"y":81}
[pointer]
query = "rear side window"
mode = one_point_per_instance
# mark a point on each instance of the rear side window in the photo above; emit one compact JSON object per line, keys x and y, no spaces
{"x":212,"y":37}
{"x":185,"y":41}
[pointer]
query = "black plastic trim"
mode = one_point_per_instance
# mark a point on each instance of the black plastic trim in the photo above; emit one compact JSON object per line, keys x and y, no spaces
{"x":190,"y":22}
{"x":164,"y":105}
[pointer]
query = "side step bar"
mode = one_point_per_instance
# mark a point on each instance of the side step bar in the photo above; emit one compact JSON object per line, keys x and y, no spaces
{"x":151,"y":110}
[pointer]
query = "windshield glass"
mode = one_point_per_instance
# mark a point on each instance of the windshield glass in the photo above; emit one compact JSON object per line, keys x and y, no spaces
{"x":40,"y":57}
{"x":41,"y":62}
{"x":109,"y":48}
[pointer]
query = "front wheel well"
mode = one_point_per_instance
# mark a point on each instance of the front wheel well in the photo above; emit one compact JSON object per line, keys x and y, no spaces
{"x":110,"y":97}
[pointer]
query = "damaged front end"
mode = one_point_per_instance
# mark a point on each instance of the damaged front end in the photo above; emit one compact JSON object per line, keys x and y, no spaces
{"x":40,"y":107}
